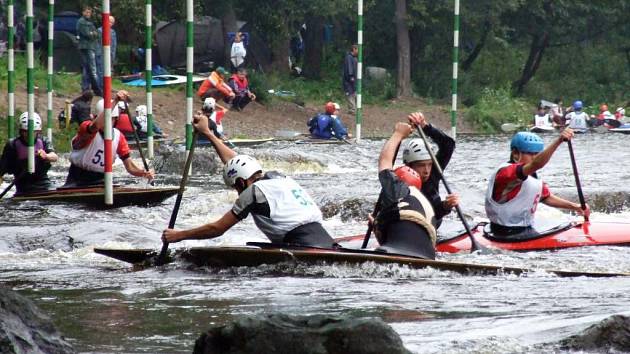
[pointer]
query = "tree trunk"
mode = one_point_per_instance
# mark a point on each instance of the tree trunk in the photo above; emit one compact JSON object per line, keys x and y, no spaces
{"x":403,"y":82}
{"x":478,"y":47}
{"x":228,"y":22}
{"x":313,"y":44}
{"x":280,"y":52}
{"x":540,"y":42}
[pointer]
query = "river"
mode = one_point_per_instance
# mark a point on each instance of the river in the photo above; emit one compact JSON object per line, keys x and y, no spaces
{"x":102,"y":305}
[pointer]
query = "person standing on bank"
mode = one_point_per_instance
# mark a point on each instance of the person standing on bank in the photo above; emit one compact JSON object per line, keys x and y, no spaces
{"x":350,"y":77}
{"x":112,"y":49}
{"x":88,"y":43}
{"x":281,"y":208}
{"x":238,"y":52}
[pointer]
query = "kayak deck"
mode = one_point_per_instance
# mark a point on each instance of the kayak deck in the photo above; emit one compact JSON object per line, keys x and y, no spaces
{"x":251,"y":256}
{"x":93,"y":196}
{"x":580,"y":235}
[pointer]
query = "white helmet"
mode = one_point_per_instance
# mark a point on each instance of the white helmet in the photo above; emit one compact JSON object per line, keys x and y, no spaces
{"x":141,"y":110}
{"x":209,"y":103}
{"x":100,"y":106}
{"x":415,"y":151}
{"x":621,"y":111}
{"x":37,"y":121}
{"x":240,"y":166}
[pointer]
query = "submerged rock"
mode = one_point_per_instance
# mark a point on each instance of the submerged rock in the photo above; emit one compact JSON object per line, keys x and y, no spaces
{"x":613,"y":333}
{"x":319,"y":334}
{"x":24,"y":328}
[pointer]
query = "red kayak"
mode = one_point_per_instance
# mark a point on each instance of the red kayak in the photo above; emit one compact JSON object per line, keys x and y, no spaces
{"x":566,"y":235}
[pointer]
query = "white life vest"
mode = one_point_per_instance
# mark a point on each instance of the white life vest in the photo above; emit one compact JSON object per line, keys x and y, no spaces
{"x":290,"y":206}
{"x":143,"y":121}
{"x":520,"y":210}
{"x":542,"y":121}
{"x":578,"y":120}
{"x":92,"y":157}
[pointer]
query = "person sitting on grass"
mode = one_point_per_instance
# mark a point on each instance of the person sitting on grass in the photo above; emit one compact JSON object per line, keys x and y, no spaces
{"x":239,"y":84}
{"x":216,"y":87}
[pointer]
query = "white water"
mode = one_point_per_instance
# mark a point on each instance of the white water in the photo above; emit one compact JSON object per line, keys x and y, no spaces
{"x":103,"y":305}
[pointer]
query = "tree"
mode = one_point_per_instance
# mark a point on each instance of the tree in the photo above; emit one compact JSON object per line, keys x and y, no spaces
{"x":403,"y":82}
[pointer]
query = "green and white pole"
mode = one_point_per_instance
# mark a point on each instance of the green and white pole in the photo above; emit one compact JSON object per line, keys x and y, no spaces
{"x":11,"y":71}
{"x":189,"y":72}
{"x":49,"y":78}
{"x":455,"y":69}
{"x":148,"y":75}
{"x":359,"y":113}
{"x":30,"y":62}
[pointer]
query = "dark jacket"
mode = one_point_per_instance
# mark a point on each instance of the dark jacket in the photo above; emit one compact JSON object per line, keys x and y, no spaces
{"x":431,"y":188}
{"x":12,"y":163}
{"x":349,"y":73}
{"x":88,"y":35}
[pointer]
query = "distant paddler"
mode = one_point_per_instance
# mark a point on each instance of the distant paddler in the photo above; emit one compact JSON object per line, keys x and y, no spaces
{"x":87,"y":159}
{"x":15,"y":155}
{"x":281,"y":208}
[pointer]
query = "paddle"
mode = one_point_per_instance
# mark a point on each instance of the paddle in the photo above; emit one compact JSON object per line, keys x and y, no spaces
{"x":377,"y":206}
{"x":6,"y":190}
{"x":144,"y":160}
{"x":577,"y":178}
{"x":178,"y":201}
{"x":475,"y":245}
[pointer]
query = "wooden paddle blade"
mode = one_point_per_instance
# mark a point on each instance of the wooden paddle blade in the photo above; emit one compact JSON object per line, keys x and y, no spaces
{"x":132,"y":256}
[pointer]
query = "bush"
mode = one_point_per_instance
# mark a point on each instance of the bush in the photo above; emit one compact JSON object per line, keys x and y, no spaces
{"x":496,"y":107}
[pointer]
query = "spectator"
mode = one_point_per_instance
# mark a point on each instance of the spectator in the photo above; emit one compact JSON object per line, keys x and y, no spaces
{"x":350,"y":75}
{"x":238,"y":53}
{"x":216,"y":87}
{"x":88,"y":37}
{"x":240,"y":85}
{"x":81,"y":107}
{"x":112,"y":50}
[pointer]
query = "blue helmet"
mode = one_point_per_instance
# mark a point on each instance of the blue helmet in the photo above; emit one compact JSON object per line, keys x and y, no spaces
{"x":577,"y":105}
{"x":527,"y":142}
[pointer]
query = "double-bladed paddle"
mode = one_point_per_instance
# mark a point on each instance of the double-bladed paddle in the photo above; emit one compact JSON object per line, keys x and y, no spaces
{"x":475,"y":245}
{"x":182,"y":186}
{"x":577,"y":178}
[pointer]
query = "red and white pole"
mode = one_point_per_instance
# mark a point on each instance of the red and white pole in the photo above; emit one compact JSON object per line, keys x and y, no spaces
{"x":107,"y":98}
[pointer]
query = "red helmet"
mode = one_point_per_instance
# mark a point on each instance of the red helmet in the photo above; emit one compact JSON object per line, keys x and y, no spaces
{"x":330,"y":108}
{"x":409,"y":176}
{"x":603,"y":108}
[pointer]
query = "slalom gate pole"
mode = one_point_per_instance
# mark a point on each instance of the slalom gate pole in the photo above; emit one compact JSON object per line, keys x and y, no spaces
{"x":189,"y":72}
{"x":49,"y":77}
{"x":11,"y":70}
{"x":107,"y":98}
{"x":30,"y":86}
{"x":455,"y":71}
{"x":148,"y":75}
{"x":359,"y":78}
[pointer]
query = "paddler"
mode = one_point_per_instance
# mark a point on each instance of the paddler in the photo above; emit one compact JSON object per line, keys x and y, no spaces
{"x":514,"y":189}
{"x":416,"y":156}
{"x":15,"y":157}
{"x":281,"y":208}
{"x":87,"y":159}
{"x":405,"y":220}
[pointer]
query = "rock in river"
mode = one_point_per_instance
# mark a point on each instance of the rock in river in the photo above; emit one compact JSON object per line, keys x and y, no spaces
{"x":611,"y":334}
{"x":318,"y":334}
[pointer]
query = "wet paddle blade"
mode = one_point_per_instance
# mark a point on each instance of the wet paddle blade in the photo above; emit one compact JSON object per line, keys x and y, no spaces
{"x":132,"y":256}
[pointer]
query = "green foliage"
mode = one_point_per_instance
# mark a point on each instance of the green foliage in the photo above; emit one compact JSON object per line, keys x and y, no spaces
{"x":63,"y":83}
{"x":497,"y":106}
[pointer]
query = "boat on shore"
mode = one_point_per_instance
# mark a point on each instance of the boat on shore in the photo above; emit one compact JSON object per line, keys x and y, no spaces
{"x":256,"y":254}
{"x":94,"y":196}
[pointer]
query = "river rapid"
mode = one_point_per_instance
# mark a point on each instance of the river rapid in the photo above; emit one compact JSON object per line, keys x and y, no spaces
{"x":102,"y":305}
